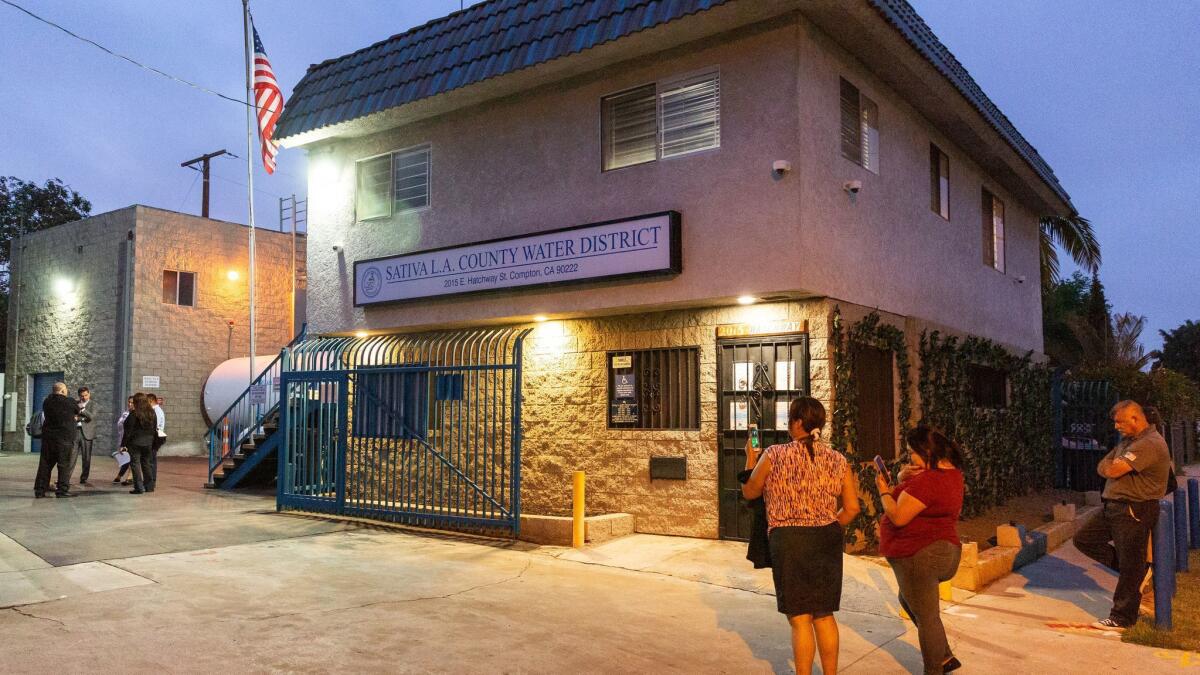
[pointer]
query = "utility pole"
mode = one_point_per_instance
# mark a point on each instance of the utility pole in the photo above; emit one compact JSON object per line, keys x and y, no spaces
{"x":203,"y":159}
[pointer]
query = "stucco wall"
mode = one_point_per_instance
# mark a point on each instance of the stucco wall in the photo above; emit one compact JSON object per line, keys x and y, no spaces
{"x":532,"y":163}
{"x":74,"y":332}
{"x":181,"y":345}
{"x":888,"y":249}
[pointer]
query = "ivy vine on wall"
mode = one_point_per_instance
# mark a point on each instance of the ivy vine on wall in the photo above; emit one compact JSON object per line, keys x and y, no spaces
{"x":1007,"y":449}
{"x":870,"y":331}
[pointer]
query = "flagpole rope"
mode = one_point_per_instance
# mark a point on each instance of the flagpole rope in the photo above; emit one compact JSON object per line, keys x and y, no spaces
{"x":106,"y":50}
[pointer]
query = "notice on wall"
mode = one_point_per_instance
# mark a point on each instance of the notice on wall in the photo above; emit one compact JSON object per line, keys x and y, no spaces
{"x":622,"y":361}
{"x":623,"y":413}
{"x":624,"y":386}
{"x":739,"y":415}
{"x":646,"y":245}
{"x":742,"y":371}
{"x":150,"y":382}
{"x":781,"y":415}
{"x":785,"y":375}
{"x":258,"y":394}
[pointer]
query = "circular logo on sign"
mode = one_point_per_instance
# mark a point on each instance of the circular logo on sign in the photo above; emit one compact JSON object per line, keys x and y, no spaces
{"x":372,"y":282}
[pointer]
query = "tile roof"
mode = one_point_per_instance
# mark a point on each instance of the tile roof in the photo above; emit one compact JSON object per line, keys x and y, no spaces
{"x":483,"y":41}
{"x":905,"y":19}
{"x":497,"y":37}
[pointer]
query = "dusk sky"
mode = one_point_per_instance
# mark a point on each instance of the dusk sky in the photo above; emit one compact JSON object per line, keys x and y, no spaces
{"x":1107,"y":91}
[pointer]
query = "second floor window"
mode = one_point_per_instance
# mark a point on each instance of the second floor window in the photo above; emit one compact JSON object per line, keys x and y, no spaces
{"x":660,"y":120}
{"x":993,"y":231}
{"x":179,"y":288}
{"x":939,"y":182}
{"x":393,"y":183}
{"x":860,"y":128}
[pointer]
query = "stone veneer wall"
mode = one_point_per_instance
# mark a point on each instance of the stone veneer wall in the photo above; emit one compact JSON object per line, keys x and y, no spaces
{"x":182,"y":345}
{"x":564,"y":415}
{"x":76,"y":333}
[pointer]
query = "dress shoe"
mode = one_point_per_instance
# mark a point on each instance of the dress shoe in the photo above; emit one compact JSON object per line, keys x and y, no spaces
{"x":116,"y":481}
{"x":62,"y":495}
{"x":126,"y":482}
{"x":136,"y":492}
{"x":39,"y":495}
{"x":149,"y":489}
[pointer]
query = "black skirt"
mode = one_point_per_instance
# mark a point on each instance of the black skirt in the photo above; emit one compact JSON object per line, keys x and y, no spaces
{"x":806,"y":563}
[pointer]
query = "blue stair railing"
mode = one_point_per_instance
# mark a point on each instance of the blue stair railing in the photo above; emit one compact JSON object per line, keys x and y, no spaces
{"x":239,"y":422}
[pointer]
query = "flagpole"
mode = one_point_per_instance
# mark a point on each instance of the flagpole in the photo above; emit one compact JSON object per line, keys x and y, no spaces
{"x":250,"y":110}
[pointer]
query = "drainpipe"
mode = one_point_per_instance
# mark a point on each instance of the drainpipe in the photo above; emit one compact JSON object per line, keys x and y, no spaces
{"x":126,"y":326}
{"x":14,"y":294}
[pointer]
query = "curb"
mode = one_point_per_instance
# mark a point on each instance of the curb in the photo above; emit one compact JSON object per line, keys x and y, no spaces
{"x":978,"y":569}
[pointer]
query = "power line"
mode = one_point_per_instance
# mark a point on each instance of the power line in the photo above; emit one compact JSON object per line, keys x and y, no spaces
{"x":126,"y":58}
{"x":190,"y":188}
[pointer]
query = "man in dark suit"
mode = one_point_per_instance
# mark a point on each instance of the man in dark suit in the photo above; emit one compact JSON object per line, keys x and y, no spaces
{"x":86,"y":426}
{"x":58,"y":436}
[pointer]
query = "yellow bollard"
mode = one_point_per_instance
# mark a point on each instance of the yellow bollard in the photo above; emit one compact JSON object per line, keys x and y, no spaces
{"x":577,"y":531}
{"x":945,"y":591}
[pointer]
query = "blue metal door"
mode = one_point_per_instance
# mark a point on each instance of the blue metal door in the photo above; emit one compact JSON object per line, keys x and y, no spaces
{"x":312,"y":454}
{"x":43,"y":385}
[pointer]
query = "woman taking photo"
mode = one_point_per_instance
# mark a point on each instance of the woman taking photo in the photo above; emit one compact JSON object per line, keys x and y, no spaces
{"x":141,"y":427}
{"x":801,"y":483}
{"x":919,"y":537}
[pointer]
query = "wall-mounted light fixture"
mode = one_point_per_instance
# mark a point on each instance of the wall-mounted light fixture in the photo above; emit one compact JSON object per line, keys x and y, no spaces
{"x":747,"y":299}
{"x":360,"y":334}
{"x":63,"y":286}
{"x":232,"y":275}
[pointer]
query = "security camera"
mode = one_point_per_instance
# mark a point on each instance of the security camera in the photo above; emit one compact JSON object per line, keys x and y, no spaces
{"x":1021,"y":279}
{"x":337,"y":248}
{"x":852,"y":186}
{"x":780,"y":167}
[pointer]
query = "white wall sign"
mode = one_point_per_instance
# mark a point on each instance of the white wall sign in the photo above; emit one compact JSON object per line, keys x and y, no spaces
{"x":641,"y":246}
{"x":258,"y":394}
{"x":150,"y":382}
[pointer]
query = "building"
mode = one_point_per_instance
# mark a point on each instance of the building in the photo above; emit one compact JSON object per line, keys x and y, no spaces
{"x":141,"y":299}
{"x":746,"y":167}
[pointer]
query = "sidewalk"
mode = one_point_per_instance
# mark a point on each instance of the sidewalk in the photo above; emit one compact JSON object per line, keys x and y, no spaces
{"x":189,"y":580}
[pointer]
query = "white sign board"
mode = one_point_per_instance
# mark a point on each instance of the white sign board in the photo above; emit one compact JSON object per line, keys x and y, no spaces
{"x":150,"y":382}
{"x":258,"y":394}
{"x":646,"y":245}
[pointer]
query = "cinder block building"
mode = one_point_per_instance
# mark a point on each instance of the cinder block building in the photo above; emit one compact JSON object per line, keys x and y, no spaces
{"x":141,"y":299}
{"x":674,"y":197}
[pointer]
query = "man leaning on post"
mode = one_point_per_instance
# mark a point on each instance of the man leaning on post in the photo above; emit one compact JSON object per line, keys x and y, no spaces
{"x":1136,"y":470}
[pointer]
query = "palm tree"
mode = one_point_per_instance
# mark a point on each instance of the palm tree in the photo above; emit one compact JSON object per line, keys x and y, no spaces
{"x":1074,"y":234}
{"x":1127,"y":349}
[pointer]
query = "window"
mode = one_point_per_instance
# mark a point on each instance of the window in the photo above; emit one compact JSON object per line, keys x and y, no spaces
{"x":654,"y":389}
{"x":179,"y":288}
{"x":939,"y":182}
{"x":393,"y":183}
{"x":860,"y":128}
{"x":993,"y":231}
{"x":667,"y":119}
{"x":989,"y":386}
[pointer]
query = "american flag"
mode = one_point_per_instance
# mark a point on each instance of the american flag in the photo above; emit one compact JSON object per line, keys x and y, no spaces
{"x":269,"y":102}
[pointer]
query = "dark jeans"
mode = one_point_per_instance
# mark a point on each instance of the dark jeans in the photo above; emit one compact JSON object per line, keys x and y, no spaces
{"x":54,"y":453}
{"x":139,"y":459}
{"x":918,"y":577}
{"x":1116,"y":538}
{"x":154,"y":447}
{"x":82,"y":450}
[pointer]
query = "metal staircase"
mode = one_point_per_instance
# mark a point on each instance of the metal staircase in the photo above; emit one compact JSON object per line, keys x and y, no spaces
{"x":243,"y":438}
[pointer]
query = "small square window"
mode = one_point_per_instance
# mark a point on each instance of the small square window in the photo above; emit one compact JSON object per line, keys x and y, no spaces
{"x":179,"y":288}
{"x":393,"y":183}
{"x":989,"y":386}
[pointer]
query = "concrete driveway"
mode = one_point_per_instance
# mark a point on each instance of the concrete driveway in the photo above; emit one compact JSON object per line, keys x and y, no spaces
{"x":190,"y":580}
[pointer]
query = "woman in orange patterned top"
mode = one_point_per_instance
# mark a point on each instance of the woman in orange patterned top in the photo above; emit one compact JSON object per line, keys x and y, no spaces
{"x":803,"y":482}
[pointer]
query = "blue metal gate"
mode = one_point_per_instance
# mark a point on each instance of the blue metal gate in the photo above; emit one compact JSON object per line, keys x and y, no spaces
{"x":423,"y":430}
{"x":1083,"y":431}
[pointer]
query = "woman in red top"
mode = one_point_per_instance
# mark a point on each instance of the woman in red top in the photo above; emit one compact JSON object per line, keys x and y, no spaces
{"x":919,"y":537}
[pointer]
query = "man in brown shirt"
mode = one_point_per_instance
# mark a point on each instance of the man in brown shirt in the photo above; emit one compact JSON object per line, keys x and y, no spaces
{"x":1137,"y":470}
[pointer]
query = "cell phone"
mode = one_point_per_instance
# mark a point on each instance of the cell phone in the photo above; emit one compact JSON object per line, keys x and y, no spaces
{"x":881,"y":467}
{"x":754,"y":443}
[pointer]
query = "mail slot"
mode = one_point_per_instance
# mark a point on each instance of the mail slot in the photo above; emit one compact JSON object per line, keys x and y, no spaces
{"x":670,"y":468}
